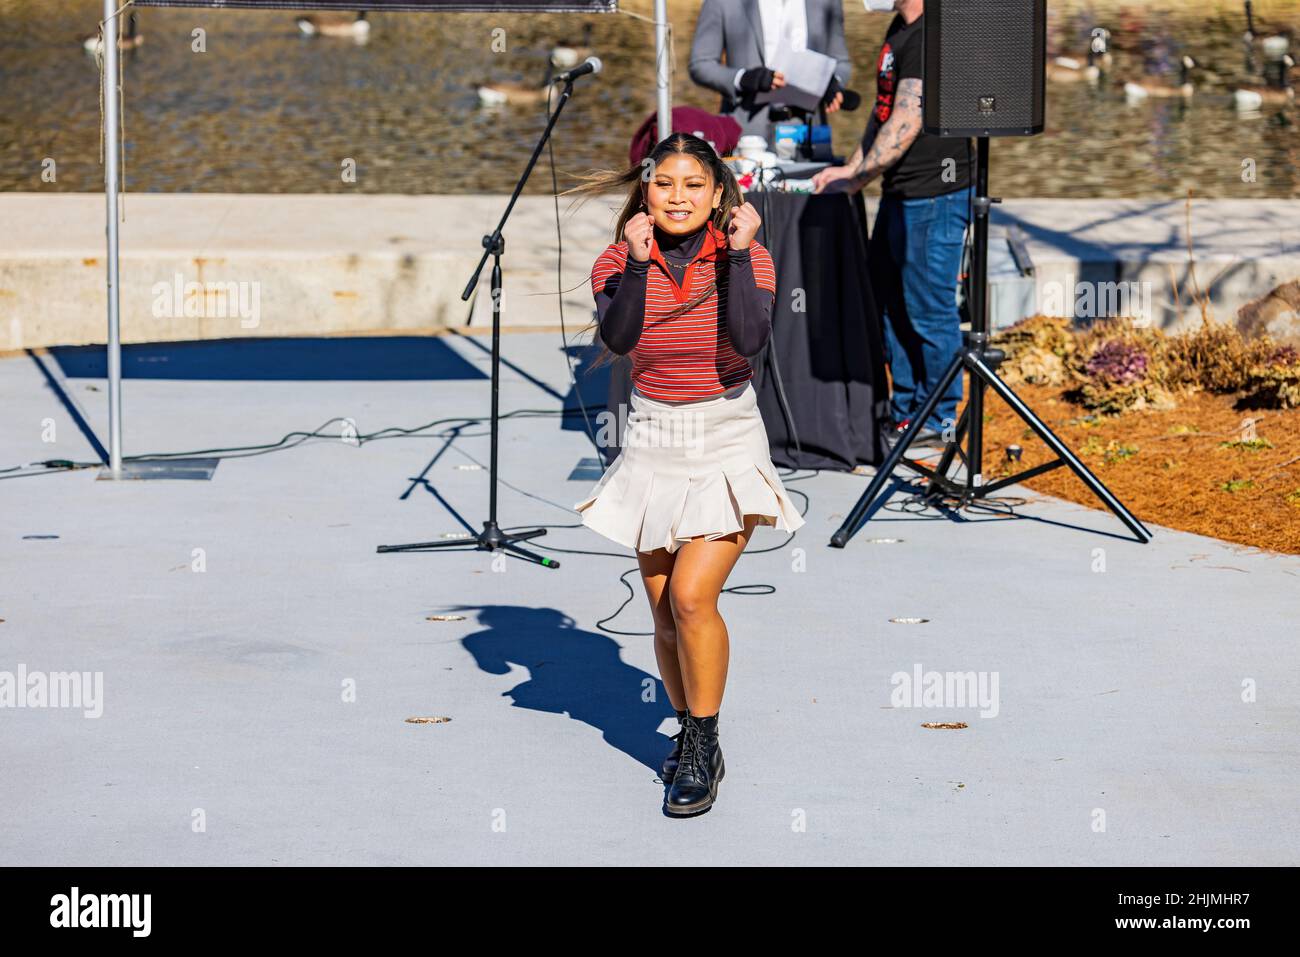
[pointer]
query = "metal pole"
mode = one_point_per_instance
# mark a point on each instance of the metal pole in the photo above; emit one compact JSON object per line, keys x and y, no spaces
{"x":979,"y":317}
{"x":663,"y":70}
{"x":111,"y":178}
{"x":497,"y":250}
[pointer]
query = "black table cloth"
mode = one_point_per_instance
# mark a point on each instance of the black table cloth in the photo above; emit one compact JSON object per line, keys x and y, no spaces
{"x":821,"y":380}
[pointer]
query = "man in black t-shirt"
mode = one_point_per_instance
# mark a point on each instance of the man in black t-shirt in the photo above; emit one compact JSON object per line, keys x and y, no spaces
{"x":916,"y":246}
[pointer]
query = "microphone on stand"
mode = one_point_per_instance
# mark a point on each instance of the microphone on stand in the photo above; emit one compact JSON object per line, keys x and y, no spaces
{"x":590,"y":65}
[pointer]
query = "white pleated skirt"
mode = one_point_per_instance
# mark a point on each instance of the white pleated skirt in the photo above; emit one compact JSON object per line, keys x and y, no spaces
{"x":689,"y":469}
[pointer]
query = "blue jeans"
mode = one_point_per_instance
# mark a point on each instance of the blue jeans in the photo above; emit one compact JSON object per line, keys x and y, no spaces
{"x":915,"y":258}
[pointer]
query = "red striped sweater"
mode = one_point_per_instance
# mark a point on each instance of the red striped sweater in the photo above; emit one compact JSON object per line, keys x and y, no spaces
{"x":689,"y":356}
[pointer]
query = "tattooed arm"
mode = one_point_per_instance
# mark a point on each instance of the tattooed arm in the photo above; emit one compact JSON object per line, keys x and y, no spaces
{"x":855,"y":159}
{"x":835,"y":179}
{"x":892,"y":140}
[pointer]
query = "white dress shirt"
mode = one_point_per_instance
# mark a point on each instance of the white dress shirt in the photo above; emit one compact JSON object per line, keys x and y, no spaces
{"x":781,"y":18}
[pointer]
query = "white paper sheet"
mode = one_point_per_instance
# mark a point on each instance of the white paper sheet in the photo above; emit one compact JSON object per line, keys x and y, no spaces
{"x":807,"y":74}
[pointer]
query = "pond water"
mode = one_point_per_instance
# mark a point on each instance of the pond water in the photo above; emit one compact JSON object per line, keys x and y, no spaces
{"x":267,"y":109}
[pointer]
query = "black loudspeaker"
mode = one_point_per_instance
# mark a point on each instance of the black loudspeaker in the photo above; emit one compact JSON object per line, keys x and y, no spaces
{"x":985,"y":67}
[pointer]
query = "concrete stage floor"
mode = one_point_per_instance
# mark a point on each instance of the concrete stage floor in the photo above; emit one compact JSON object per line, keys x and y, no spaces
{"x":255,"y":711}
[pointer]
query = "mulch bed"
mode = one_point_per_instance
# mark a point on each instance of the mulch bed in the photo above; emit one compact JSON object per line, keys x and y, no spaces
{"x":1197,"y":467}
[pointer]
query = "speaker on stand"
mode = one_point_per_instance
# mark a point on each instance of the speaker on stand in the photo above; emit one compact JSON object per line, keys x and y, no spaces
{"x":985,"y":75}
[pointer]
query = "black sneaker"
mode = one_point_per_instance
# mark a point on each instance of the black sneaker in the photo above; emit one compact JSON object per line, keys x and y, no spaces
{"x":926,"y":438}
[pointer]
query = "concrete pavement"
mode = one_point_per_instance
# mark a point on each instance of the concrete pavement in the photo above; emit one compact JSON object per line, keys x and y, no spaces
{"x":260,"y":662}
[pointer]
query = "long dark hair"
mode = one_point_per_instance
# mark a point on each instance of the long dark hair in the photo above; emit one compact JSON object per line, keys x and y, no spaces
{"x":635,"y":179}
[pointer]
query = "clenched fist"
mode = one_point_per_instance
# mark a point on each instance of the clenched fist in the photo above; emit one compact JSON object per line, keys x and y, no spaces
{"x":743,"y":226}
{"x":639,"y":233}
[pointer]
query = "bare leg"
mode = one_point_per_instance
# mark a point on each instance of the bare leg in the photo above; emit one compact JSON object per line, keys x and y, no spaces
{"x":700,"y":571}
{"x":656,"y":567}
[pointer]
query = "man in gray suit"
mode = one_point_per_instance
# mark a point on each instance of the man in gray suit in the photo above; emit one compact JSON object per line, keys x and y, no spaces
{"x":735,"y":40}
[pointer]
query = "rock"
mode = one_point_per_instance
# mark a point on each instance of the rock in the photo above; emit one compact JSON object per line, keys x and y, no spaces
{"x":1276,"y":315}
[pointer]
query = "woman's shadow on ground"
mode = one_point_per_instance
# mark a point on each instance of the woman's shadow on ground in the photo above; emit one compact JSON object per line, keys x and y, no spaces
{"x":574,"y":672}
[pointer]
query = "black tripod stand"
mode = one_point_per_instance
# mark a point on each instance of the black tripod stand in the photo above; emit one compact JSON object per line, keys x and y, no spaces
{"x":979,"y":361}
{"x":494,"y":244}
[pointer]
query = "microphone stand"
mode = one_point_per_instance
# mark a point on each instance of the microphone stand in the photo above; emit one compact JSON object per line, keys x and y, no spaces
{"x":1248,"y":40}
{"x":494,"y":245}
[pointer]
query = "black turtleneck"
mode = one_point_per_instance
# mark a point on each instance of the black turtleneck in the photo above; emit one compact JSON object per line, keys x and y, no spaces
{"x":678,"y":251}
{"x":620,"y":306}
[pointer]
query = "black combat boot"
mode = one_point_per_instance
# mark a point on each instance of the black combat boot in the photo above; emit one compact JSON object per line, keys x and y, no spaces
{"x":670,"y":762}
{"x":700,"y":768}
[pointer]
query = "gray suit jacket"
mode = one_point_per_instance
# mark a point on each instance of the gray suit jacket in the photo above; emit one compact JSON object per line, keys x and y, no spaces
{"x":735,"y":28}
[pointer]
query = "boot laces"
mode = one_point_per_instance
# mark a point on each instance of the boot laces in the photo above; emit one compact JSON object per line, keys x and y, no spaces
{"x":691,"y":761}
{"x":695,"y":752}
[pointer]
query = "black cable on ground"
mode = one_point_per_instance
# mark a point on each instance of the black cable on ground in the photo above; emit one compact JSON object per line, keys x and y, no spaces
{"x":287,"y":442}
{"x":296,"y":438}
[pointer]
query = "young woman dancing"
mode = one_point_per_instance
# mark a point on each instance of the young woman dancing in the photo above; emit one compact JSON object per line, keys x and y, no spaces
{"x":687,"y":294}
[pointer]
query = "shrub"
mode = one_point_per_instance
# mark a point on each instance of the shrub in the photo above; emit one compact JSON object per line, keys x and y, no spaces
{"x":1212,"y":358}
{"x":1274,"y":381}
{"x":1118,"y":373}
{"x":1038,"y":351}
{"x":1113,"y":366}
{"x":1117,"y":361}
